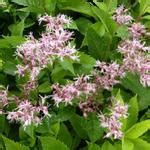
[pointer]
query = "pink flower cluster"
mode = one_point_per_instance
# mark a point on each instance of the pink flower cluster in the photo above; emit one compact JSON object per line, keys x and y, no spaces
{"x":88,"y":106}
{"x":27,"y":114}
{"x":53,"y":43}
{"x":107,"y":75}
{"x":121,"y":16}
{"x":135,"y":53}
{"x":3,"y":99}
{"x":67,"y":93}
{"x":113,"y":122}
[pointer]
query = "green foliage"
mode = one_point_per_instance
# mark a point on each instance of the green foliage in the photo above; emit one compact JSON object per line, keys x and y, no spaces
{"x":96,"y":36}
{"x":48,"y":143}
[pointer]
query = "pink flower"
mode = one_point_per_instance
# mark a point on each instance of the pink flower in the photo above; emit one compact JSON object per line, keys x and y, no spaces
{"x":73,"y":90}
{"x":27,"y":113}
{"x":112,"y":122}
{"x":107,"y":75}
{"x":3,"y":97}
{"x":121,"y":16}
{"x":137,"y":30}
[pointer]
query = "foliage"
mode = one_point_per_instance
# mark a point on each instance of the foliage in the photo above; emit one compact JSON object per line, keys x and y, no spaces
{"x":74,"y":124}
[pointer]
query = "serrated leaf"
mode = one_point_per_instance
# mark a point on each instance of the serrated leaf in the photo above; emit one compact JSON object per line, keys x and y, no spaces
{"x":11,"y":145}
{"x":64,"y":135}
{"x":127,"y":144}
{"x":106,"y":20}
{"x":17,"y":29}
{"x":9,"y":68}
{"x":93,"y":129}
{"x":50,"y":143}
{"x":78,"y":124}
{"x":78,"y":6}
{"x":44,"y":87}
{"x":93,"y":146}
{"x":107,"y":146}
{"x":133,"y":112}
{"x":98,"y":44}
{"x":67,"y":65}
{"x":138,"y":129}
{"x":132,"y":83}
{"x":141,"y":144}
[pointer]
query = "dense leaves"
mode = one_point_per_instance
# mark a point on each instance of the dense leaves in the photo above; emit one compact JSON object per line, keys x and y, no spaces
{"x":84,"y":122}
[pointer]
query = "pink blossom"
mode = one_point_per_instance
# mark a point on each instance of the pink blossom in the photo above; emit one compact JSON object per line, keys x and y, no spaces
{"x":4,"y":97}
{"x":53,"y":43}
{"x":121,"y":16}
{"x":73,"y":90}
{"x":107,"y":75}
{"x":27,"y":113}
{"x":137,"y":30}
{"x":112,"y":122}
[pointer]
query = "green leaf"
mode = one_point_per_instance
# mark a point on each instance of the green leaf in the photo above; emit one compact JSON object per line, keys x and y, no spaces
{"x":93,"y":146}
{"x":127,"y":144}
{"x":50,"y":143}
{"x":78,"y":124}
{"x":123,"y":32}
{"x":11,"y":41}
{"x":64,"y":135}
{"x":111,"y":5}
{"x":107,"y":146}
{"x":17,"y":29}
{"x":11,"y":145}
{"x":93,"y":129}
{"x":44,"y":87}
{"x":144,"y":6}
{"x":132,"y":82}
{"x":86,"y":64}
{"x":140,"y":144}
{"x":2,"y":123}
{"x":106,"y":20}
{"x":79,"y":6}
{"x":133,"y":112}
{"x":138,"y":129}
{"x":118,"y":97}
{"x":98,"y":45}
{"x":65,"y":114}
{"x":67,"y":65}
{"x":83,"y":24}
{"x":20,"y":2}
{"x":9,"y":68}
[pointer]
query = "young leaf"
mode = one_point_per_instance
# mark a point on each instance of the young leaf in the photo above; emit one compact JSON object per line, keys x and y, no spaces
{"x":141,"y":144}
{"x":106,"y":19}
{"x":78,"y":6}
{"x":78,"y":124}
{"x":98,"y":44}
{"x":64,"y":135}
{"x":138,"y":129}
{"x":93,"y":146}
{"x":107,"y":146}
{"x":50,"y":143}
{"x":132,"y":82}
{"x":133,"y":112}
{"x":127,"y":144}
{"x":11,"y":145}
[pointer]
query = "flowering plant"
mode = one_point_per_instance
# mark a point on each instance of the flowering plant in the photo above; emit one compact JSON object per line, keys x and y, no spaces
{"x":75,"y":74}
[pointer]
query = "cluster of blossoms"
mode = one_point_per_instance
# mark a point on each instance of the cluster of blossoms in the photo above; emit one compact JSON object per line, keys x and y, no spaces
{"x":112,"y":122}
{"x":88,"y":106}
{"x":27,"y":114}
{"x":121,"y":16}
{"x":107,"y":75}
{"x":134,"y":51}
{"x":3,"y":99}
{"x":53,"y":43}
{"x":67,"y":93}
